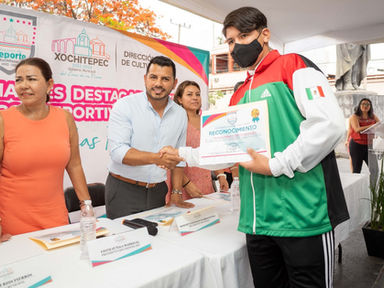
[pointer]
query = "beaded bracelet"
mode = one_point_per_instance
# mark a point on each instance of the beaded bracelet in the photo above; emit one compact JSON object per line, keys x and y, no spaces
{"x":175,"y":191}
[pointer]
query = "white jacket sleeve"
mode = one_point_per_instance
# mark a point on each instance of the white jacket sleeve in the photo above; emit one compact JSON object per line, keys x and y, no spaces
{"x":191,"y":156}
{"x":320,"y":132}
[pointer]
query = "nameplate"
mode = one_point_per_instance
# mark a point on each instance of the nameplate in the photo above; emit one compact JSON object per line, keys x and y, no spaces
{"x":116,"y":247}
{"x":196,"y":220}
{"x":26,"y":273}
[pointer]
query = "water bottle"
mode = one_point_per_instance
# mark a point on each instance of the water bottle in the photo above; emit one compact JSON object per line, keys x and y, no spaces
{"x":235,"y":195}
{"x":87,"y":227}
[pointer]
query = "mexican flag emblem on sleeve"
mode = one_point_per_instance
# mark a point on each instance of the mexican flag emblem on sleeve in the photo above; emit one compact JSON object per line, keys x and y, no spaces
{"x":314,"y":92}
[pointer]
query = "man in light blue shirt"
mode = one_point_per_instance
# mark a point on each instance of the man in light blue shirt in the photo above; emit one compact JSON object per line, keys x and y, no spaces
{"x":139,"y":126}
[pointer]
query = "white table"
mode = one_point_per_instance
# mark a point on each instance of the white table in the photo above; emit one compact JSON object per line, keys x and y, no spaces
{"x":224,"y":248}
{"x":213,"y":257}
{"x":221,"y":245}
{"x":166,"y":265}
{"x":356,"y":192}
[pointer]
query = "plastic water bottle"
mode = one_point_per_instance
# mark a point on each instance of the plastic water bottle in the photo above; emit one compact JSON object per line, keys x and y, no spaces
{"x":87,"y":227}
{"x":235,"y":195}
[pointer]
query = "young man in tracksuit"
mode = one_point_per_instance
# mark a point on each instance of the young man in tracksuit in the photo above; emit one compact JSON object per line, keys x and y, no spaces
{"x":290,"y":203}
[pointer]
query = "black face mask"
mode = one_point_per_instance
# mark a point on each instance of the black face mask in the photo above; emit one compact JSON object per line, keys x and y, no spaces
{"x":246,"y":54}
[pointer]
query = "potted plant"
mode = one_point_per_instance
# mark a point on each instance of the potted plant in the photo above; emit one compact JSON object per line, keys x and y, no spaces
{"x":374,"y":230}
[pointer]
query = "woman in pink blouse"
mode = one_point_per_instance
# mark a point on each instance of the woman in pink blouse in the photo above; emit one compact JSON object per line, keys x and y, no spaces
{"x":196,"y":181}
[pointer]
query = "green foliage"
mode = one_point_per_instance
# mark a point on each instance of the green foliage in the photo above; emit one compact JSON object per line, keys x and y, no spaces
{"x":214,"y":96}
{"x":220,"y":40}
{"x":377,"y":201}
{"x":123,"y":15}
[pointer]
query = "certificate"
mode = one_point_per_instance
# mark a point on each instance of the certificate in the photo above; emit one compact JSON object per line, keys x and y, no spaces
{"x":63,"y":238}
{"x":227,"y":133}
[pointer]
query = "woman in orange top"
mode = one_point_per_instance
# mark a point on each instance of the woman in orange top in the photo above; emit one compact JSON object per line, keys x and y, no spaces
{"x":362,"y":119}
{"x":196,"y":181}
{"x":37,"y":142}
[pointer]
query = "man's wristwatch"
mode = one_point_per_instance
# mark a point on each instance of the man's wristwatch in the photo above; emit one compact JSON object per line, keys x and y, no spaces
{"x":175,"y":191}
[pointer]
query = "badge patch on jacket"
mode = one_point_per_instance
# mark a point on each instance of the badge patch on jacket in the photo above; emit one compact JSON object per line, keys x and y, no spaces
{"x":314,"y":92}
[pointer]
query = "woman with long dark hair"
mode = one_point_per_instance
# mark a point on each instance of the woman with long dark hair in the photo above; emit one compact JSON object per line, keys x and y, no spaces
{"x":196,"y":181}
{"x":362,"y":119}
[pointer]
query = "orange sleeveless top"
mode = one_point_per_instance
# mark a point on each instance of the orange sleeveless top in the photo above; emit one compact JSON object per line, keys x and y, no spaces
{"x":36,"y":153}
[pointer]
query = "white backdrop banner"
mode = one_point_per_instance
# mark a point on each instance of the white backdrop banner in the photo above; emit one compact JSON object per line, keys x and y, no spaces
{"x":92,"y":66}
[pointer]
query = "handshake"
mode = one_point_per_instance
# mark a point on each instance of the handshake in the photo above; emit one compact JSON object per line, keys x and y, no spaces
{"x":169,"y":157}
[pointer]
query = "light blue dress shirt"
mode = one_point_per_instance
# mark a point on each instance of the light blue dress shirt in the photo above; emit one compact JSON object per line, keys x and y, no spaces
{"x":134,"y":123}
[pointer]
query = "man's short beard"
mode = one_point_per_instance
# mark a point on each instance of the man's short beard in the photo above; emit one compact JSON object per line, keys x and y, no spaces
{"x":157,"y":99}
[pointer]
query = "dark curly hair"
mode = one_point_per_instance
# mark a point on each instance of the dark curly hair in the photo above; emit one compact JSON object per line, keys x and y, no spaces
{"x":245,"y":19}
{"x":358,"y":111}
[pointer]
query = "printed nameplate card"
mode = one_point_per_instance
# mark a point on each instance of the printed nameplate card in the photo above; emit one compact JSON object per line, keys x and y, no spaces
{"x":119,"y":246}
{"x":26,"y":273}
{"x":197,"y":220}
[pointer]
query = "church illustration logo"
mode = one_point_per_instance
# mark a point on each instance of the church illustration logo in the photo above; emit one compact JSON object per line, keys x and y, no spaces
{"x":81,"y":50}
{"x":18,"y":35}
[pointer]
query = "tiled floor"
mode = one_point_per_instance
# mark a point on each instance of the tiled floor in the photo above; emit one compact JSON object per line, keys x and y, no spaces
{"x":358,"y":270}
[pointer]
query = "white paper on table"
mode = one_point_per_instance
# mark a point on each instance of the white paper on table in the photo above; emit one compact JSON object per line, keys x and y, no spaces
{"x":165,"y":215}
{"x":227,"y":133}
{"x":219,"y":196}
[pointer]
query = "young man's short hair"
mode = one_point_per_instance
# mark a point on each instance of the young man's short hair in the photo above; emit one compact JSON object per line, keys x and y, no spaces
{"x":162,"y":61}
{"x":245,"y":19}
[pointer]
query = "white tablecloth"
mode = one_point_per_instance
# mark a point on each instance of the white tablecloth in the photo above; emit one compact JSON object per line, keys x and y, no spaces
{"x":221,"y":245}
{"x":224,"y":248}
{"x":213,"y":257}
{"x":166,"y":265}
{"x":356,"y":192}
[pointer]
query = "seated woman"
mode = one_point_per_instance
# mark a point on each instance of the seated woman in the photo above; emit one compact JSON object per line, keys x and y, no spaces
{"x":196,"y":181}
{"x":38,"y":142}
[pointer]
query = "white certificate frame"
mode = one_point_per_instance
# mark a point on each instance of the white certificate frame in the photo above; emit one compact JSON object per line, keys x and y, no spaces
{"x":227,"y":133}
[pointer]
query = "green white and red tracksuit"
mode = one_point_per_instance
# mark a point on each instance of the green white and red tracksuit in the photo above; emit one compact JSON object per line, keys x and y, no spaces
{"x":304,"y":197}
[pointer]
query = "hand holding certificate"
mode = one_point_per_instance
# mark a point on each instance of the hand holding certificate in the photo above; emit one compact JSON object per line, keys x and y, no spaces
{"x":259,"y":163}
{"x":227,"y":134}
{"x":232,"y":135}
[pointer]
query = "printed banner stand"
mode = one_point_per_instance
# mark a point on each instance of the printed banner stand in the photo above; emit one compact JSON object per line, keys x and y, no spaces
{"x":93,"y":66}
